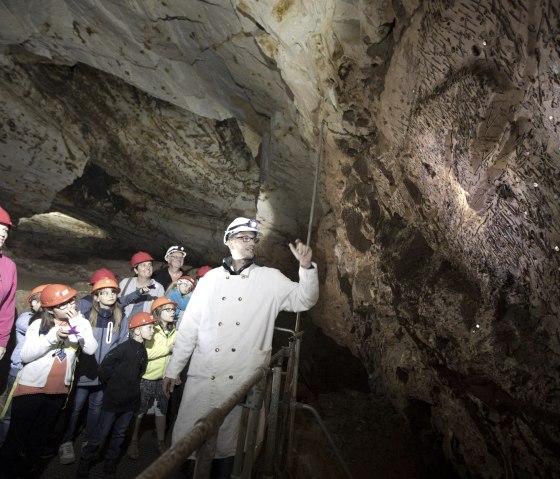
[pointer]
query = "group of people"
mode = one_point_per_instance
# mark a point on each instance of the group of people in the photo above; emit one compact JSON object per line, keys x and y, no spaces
{"x":123,"y":350}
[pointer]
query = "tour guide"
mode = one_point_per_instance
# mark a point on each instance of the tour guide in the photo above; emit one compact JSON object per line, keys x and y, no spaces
{"x":228,"y":327}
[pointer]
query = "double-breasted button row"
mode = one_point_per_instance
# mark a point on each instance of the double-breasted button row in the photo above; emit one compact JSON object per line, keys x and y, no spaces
{"x":238,"y":299}
{"x":214,"y":377}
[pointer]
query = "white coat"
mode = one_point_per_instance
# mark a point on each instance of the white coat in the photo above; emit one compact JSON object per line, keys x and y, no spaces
{"x":228,"y":327}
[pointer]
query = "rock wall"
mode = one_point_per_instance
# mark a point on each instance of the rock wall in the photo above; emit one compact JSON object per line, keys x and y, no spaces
{"x":437,"y":221}
{"x":443,"y":185}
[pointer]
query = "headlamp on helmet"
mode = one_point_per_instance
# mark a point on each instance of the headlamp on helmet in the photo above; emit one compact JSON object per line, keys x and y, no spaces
{"x":241,"y":224}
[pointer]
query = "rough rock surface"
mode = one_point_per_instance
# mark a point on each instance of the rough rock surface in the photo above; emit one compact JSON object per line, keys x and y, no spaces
{"x":438,"y":235}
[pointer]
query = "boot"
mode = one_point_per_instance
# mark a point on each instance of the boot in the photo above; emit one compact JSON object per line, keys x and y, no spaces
{"x":133,"y":452}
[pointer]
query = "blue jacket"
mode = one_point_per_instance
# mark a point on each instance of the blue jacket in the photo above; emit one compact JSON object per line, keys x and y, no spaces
{"x":22,"y":323}
{"x":181,"y":300}
{"x":107,"y":340}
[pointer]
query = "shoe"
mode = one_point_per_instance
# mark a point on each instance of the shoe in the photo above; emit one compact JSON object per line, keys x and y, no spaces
{"x":66,"y":453}
{"x":83,"y":469}
{"x":110,"y":469}
{"x":161,"y":447}
{"x":133,"y":452}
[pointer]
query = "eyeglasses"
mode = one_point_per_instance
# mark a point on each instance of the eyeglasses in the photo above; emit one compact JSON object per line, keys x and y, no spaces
{"x":247,"y":239}
{"x":65,"y":305}
{"x":169,"y":310}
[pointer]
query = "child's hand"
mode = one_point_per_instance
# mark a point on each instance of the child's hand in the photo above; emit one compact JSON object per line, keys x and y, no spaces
{"x":62,"y":333}
{"x":71,"y":312}
{"x":171,"y":345}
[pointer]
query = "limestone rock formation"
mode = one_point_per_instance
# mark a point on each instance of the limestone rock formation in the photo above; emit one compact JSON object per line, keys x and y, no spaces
{"x":437,"y":229}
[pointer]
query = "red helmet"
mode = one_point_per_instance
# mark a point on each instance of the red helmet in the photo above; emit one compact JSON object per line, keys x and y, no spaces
{"x":139,"y":257}
{"x":5,"y":218}
{"x":186,"y":278}
{"x":55,"y":294}
{"x":36,"y":290}
{"x":100,"y":274}
{"x":140,"y":319}
{"x":105,"y":283}
{"x":202,"y":271}
{"x":160,"y":302}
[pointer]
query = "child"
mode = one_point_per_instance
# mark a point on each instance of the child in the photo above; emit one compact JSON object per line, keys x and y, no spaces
{"x":48,"y":354}
{"x":109,"y":329}
{"x":22,"y":323}
{"x":120,"y":373}
{"x":181,"y":294}
{"x":159,"y":353}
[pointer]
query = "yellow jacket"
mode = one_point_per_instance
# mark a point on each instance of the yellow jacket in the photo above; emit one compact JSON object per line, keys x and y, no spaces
{"x":158,"y":353}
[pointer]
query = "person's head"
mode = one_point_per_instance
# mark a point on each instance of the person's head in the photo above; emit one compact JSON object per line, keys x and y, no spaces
{"x":58,"y":302}
{"x":175,"y":257}
{"x":141,"y":327}
{"x":202,"y":271}
{"x":241,"y":237}
{"x":142,"y":264}
{"x":5,"y":225}
{"x":105,"y":292}
{"x":163,"y":309}
{"x":34,"y":298}
{"x":185,"y":284}
{"x":100,"y":274}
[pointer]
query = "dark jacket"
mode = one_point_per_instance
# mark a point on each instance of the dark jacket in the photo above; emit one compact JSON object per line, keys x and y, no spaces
{"x":107,"y":339}
{"x":120,"y":373}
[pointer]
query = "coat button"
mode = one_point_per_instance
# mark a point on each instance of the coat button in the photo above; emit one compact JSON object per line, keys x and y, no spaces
{"x":240,"y":298}
{"x":231,"y":377}
{"x":220,"y":323}
{"x":227,"y":277}
{"x":217,"y":350}
{"x":237,"y":323}
{"x":223,"y":298}
{"x":233,"y":350}
{"x":212,"y":378}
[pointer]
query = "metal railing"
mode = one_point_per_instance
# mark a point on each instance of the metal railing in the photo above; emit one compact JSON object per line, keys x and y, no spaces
{"x":271,"y":390}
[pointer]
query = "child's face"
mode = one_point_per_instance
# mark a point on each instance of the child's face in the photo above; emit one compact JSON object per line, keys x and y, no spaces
{"x":167,"y":313}
{"x":147,"y":331}
{"x":106,"y":297}
{"x":184,"y":287}
{"x":65,"y":311}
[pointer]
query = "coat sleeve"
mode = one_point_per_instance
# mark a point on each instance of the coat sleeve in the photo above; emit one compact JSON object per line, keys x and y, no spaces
{"x":37,"y":345}
{"x":108,"y":364}
{"x":157,"y":347}
{"x":86,"y":339}
{"x":300,"y":296}
{"x":8,"y":302}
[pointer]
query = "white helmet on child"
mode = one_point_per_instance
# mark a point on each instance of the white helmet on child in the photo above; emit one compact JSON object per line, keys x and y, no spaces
{"x":241,"y":224}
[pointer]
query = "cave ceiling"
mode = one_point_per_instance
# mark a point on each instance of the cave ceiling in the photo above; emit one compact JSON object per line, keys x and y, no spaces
{"x":436,"y":225}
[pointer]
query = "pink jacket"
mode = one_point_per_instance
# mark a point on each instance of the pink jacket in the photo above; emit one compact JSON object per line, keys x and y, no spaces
{"x":8,"y":286}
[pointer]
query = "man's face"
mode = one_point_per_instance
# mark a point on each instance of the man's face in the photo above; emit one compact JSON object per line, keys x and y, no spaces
{"x":243,"y":245}
{"x":3,"y":234}
{"x":176,"y":260}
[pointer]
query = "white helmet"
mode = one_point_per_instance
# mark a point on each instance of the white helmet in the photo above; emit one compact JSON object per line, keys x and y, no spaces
{"x":174,"y":249}
{"x":241,"y":224}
